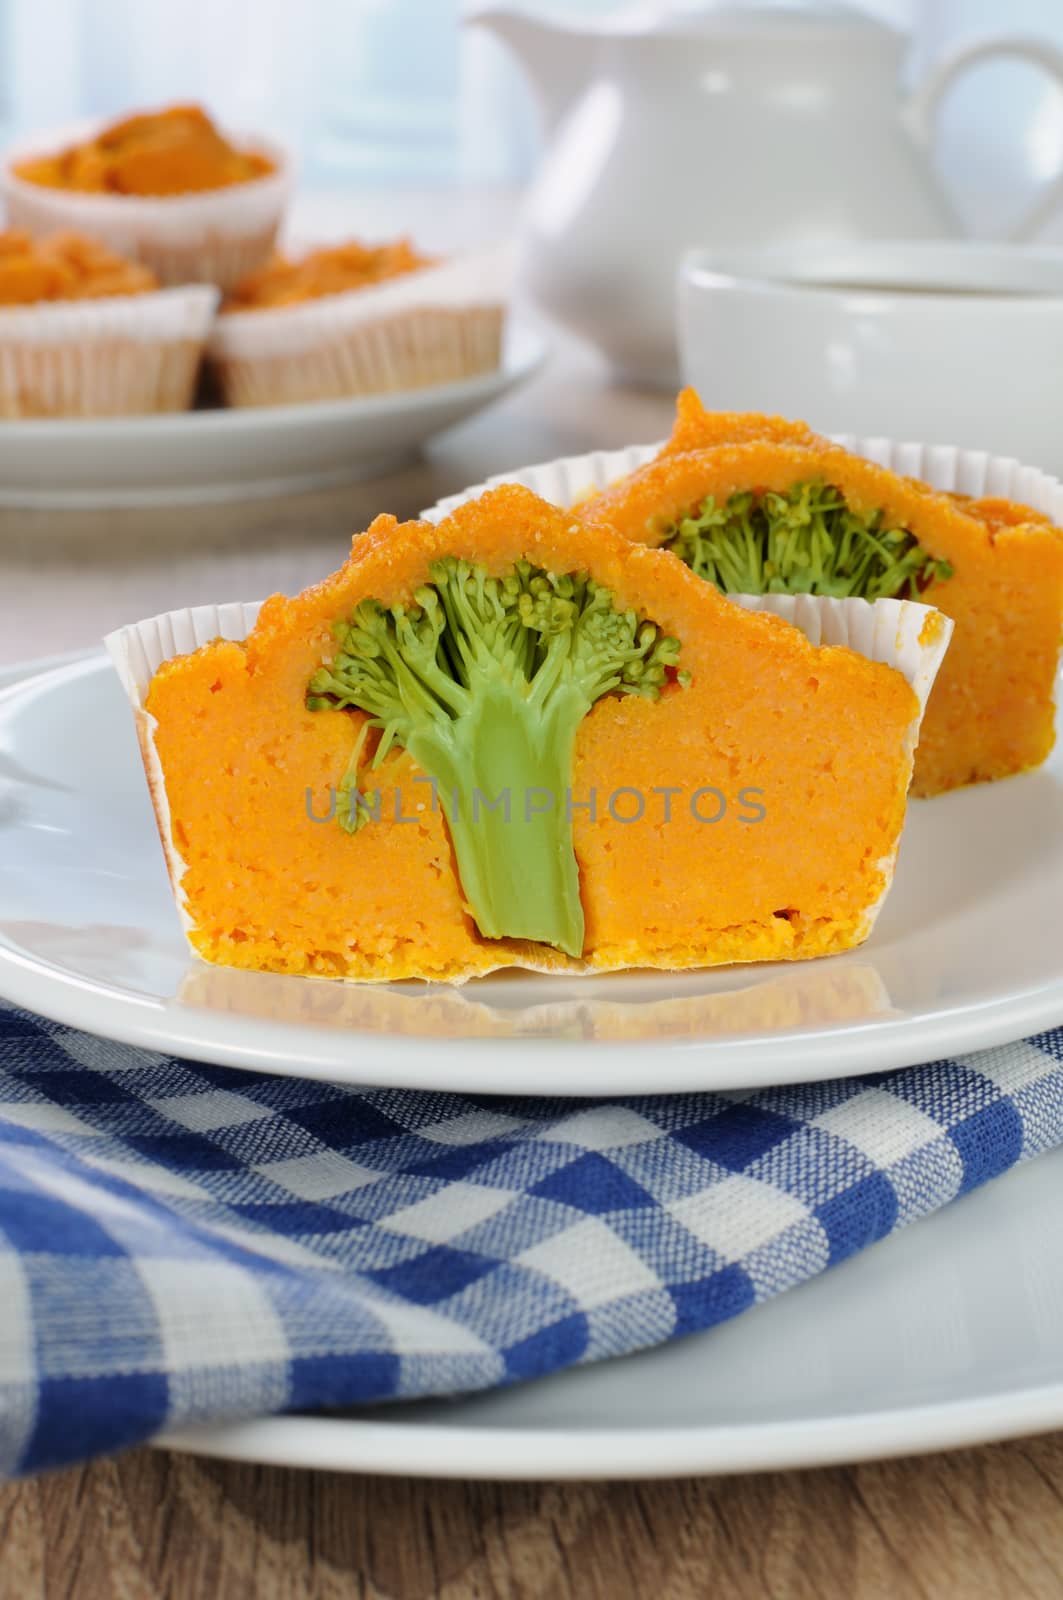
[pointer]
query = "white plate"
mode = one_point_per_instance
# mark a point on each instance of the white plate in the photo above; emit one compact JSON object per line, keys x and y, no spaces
{"x":948,"y":1334}
{"x":967,"y":951}
{"x":200,"y":456}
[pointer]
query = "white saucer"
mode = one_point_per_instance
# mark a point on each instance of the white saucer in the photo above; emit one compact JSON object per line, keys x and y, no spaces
{"x":968,"y":951}
{"x":948,"y":1334}
{"x":200,"y":456}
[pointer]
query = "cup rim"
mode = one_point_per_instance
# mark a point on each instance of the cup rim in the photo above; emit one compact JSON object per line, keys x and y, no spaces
{"x":943,"y":273}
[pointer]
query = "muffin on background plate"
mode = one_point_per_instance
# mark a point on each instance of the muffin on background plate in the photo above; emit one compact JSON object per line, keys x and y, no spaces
{"x":165,"y":188}
{"x":86,"y":333}
{"x":354,"y":319}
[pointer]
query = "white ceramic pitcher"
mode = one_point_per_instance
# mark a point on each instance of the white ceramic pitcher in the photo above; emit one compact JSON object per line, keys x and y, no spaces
{"x":749,"y":125}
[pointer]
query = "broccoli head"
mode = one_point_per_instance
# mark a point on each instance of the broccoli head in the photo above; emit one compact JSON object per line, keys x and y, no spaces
{"x":484,"y":681}
{"x":807,"y":541}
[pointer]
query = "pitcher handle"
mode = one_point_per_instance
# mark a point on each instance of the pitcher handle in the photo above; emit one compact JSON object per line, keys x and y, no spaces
{"x":921,"y":109}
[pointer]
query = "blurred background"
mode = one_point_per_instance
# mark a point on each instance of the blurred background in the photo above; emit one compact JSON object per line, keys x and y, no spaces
{"x":398,"y":93}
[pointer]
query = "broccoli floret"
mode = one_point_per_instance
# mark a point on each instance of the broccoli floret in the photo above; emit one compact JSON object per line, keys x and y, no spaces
{"x":806,"y":541}
{"x":485,"y":681}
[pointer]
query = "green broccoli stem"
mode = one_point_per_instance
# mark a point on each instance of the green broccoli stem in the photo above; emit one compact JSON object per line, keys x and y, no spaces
{"x":485,"y":681}
{"x":502,"y":783}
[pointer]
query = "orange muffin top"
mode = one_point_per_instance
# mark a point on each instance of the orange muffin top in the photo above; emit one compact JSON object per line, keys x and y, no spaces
{"x":171,"y":152}
{"x":65,"y":266}
{"x":332,"y":270}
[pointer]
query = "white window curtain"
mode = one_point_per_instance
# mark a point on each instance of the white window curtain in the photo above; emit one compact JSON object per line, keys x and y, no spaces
{"x":397,"y":92}
{"x":256,"y":63}
{"x":366,"y":90}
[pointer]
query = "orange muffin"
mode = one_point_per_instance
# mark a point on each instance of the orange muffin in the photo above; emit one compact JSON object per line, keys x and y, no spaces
{"x":176,"y":151}
{"x":515,"y":739}
{"x":782,"y":510}
{"x":65,"y":266}
{"x":354,"y":319}
{"x":167,"y":188}
{"x":86,"y":333}
{"x":334,"y":269}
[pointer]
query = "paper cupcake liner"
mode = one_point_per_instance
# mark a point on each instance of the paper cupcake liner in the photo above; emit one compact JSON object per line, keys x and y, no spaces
{"x":211,"y":236}
{"x":435,"y":326}
{"x":946,"y":468}
{"x":415,"y":351}
{"x":122,"y":356}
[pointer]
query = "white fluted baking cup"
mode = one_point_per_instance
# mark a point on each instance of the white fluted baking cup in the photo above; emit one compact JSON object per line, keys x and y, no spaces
{"x":439,"y":324}
{"x":480,"y":278}
{"x":947,"y":468}
{"x":118,"y":356}
{"x":184,"y":313}
{"x":208,"y":236}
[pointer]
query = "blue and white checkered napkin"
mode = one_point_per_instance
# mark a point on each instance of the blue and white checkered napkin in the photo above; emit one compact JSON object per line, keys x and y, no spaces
{"x":180,"y":1243}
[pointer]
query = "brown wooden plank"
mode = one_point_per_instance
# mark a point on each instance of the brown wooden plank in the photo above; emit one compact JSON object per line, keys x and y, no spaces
{"x":976,"y":1524}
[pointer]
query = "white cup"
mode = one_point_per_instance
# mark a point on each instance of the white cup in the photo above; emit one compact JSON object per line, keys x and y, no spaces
{"x":950,"y":343}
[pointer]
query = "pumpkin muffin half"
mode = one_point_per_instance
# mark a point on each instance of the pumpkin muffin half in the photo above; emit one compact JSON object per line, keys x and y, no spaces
{"x":167,"y":188}
{"x":514,"y":740}
{"x":762,"y":506}
{"x":86,"y":333}
{"x":357,"y":319}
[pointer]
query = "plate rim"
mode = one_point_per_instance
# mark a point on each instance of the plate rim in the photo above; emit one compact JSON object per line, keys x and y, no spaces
{"x":243,"y":455}
{"x":428,"y":1450}
{"x":396,"y":1060}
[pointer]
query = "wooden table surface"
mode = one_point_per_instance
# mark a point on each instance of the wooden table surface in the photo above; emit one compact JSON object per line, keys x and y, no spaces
{"x":979,"y":1523}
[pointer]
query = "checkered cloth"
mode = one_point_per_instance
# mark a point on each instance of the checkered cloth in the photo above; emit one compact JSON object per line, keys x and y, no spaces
{"x":183,"y":1243}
